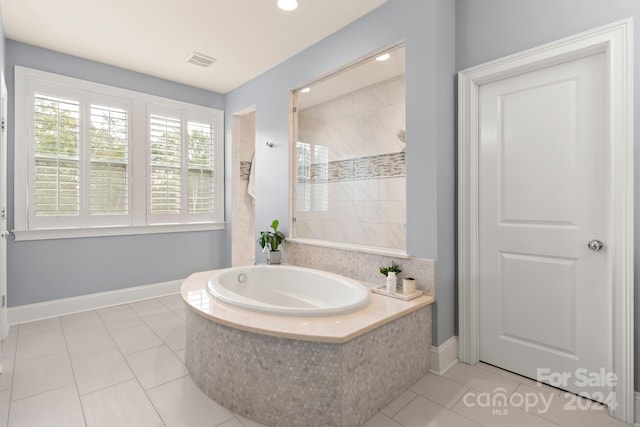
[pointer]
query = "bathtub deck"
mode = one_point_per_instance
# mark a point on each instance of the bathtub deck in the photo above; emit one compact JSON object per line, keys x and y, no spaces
{"x":330,"y":329}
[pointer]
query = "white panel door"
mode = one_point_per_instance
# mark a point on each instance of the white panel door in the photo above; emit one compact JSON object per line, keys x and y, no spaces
{"x":545,"y":297}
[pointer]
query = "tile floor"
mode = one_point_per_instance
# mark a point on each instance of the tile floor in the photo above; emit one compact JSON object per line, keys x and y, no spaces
{"x":123,"y":366}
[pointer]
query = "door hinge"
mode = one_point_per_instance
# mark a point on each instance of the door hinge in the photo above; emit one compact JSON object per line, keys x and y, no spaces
{"x":3,"y":213}
{"x":4,"y":125}
{"x":295,"y":109}
{"x":3,"y":301}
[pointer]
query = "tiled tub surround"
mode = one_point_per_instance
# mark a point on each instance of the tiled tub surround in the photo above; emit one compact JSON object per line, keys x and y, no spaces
{"x":359,"y":265}
{"x":351,"y":183}
{"x":358,"y":201}
{"x":296,"y":371}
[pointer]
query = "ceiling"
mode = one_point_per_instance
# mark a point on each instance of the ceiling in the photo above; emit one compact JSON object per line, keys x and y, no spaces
{"x":247,"y":37}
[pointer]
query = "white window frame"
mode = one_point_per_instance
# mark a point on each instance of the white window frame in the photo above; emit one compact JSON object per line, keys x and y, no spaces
{"x":138,"y":220}
{"x":84,"y":219}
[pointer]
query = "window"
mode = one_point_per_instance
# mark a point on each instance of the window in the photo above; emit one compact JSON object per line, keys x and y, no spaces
{"x":57,"y":156}
{"x":97,"y":157}
{"x":165,"y":138}
{"x":312,"y":191}
{"x":182,"y":165}
{"x":303,"y":199}
{"x":109,"y":178}
{"x":77,"y":158}
{"x":201,"y":171}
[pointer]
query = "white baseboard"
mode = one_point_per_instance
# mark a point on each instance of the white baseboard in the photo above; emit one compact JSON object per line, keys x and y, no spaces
{"x":61,"y":307}
{"x":444,"y":356}
{"x":636,"y":408}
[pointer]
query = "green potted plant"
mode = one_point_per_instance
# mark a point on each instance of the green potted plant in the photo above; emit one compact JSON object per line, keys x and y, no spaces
{"x":270,"y":241}
{"x":384,"y":270}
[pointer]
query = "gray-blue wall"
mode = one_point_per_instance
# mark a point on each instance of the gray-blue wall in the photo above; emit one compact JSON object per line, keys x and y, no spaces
{"x":490,"y":29}
{"x":51,"y":269}
{"x":428,"y":27}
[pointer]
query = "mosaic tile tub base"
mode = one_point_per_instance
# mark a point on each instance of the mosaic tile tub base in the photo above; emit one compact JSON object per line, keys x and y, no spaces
{"x":288,"y":382}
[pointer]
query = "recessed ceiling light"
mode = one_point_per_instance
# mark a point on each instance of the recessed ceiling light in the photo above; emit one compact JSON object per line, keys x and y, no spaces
{"x":306,"y":90}
{"x":288,"y":5}
{"x":383,"y":57}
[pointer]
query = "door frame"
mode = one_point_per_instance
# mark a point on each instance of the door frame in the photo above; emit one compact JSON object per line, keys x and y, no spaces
{"x":615,"y":40}
{"x":4,"y":232}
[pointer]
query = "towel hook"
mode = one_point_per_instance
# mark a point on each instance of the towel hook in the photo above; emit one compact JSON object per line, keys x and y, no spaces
{"x":270,"y":144}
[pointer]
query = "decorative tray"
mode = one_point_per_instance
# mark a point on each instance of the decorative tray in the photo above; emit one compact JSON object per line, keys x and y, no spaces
{"x":382,"y":290}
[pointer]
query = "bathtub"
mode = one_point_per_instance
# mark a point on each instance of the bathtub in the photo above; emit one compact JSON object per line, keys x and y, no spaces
{"x":288,"y":290}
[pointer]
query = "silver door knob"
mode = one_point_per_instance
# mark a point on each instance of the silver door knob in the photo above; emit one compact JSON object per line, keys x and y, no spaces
{"x":595,"y":245}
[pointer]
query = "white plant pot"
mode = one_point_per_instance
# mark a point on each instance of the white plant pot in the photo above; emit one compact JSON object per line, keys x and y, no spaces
{"x":392,"y":283}
{"x":274,"y":257}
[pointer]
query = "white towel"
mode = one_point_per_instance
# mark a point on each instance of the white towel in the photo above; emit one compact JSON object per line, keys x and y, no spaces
{"x":251,"y":186}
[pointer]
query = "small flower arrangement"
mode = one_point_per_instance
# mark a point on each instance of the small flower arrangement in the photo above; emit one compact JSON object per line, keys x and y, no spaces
{"x":385,"y":270}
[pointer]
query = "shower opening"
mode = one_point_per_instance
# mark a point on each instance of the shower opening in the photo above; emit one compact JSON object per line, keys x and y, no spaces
{"x":243,"y":240}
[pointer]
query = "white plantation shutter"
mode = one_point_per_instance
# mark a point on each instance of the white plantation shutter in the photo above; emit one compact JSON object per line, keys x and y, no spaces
{"x":201,"y":168}
{"x":96,"y":160}
{"x":183,"y":160}
{"x":56,"y":156}
{"x":109,"y":176}
{"x":165,"y":140}
{"x":303,"y":187}
{"x":321,"y":189}
{"x":79,"y":170}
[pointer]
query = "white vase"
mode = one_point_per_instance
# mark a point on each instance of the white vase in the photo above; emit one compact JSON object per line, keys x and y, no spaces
{"x":392,"y":283}
{"x":274,"y":257}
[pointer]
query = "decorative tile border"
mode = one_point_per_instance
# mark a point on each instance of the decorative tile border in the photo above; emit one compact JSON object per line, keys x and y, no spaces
{"x":370,"y":167}
{"x":382,"y":166}
{"x":245,"y":170}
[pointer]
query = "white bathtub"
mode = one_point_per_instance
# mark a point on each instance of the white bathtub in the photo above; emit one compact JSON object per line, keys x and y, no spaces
{"x":288,"y":290}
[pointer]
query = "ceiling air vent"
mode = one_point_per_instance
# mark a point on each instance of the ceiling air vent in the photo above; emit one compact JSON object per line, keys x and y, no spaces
{"x":201,"y":60}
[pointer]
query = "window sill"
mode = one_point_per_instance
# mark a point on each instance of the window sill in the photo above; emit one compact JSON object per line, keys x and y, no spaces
{"x":76,"y":233}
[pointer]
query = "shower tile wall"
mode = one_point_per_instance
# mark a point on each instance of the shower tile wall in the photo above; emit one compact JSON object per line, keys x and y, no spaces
{"x":243,"y":216}
{"x":353,"y":190}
